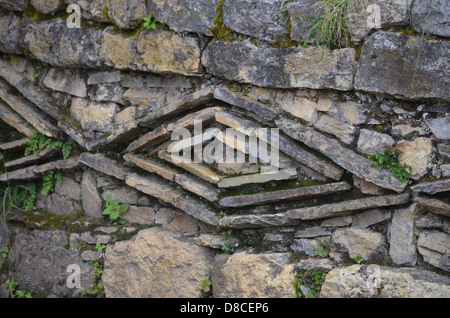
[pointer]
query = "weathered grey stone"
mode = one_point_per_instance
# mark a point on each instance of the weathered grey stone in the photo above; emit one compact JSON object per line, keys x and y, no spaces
{"x":153,"y":166}
{"x":215,"y":241}
{"x":61,"y":205}
{"x":321,"y":264}
{"x":357,"y":281}
{"x":370,"y":142}
{"x":445,"y":170}
{"x":47,"y":6}
{"x":13,"y":5}
{"x":123,"y":194}
{"x":255,"y":221}
{"x":401,"y":236}
{"x":69,"y":188}
{"x":102,"y":77}
{"x":434,"y":206}
{"x":407,"y":130}
{"x":312,"y":232}
{"x":105,"y":165}
{"x":127,"y":15}
{"x":170,"y":266}
{"x":253,"y":275}
{"x":66,"y":81}
{"x":431,"y":17}
{"x":434,"y":246}
{"x":338,"y":221}
{"x":179,"y":221}
{"x":14,"y":120}
{"x":362,"y":242}
{"x":91,"y":256}
{"x":285,"y":174}
{"x":108,"y":93}
{"x":40,"y":261}
{"x":259,"y":17}
{"x":330,"y":124}
{"x":205,"y":115}
{"x":184,"y":15}
{"x":94,"y":116}
{"x":54,"y":43}
{"x":432,"y":187}
{"x":362,"y":17}
{"x":197,"y":169}
{"x":312,"y":247}
{"x":282,"y":68}
{"x":158,"y":51}
{"x":367,"y":218}
{"x":28,"y":89}
{"x":366,"y":187}
{"x":381,"y":64}
{"x":440,"y":127}
{"x":92,"y":9}
{"x":15,"y":145}
{"x":238,"y":100}
{"x":417,"y":154}
{"x":275,"y":196}
{"x":343,"y":208}
{"x":200,"y":97}
{"x":433,"y":221}
{"x":9,"y":32}
{"x":342,"y":156}
{"x":29,"y":112}
{"x":444,"y":150}
{"x":140,"y":215}
{"x":198,"y":187}
{"x":161,"y":189}
{"x":151,"y":138}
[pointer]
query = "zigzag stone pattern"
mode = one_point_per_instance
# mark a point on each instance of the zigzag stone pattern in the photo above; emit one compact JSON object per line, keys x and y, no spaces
{"x":116,"y":105}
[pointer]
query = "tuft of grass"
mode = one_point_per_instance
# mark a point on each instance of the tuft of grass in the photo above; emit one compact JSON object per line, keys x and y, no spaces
{"x":332,"y":29}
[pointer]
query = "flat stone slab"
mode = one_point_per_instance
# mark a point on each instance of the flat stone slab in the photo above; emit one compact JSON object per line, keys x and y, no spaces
{"x":294,"y":67}
{"x":434,"y":206}
{"x":15,"y":145}
{"x":105,"y":165}
{"x":285,"y":174}
{"x":162,"y":189}
{"x":44,"y":154}
{"x":14,"y":120}
{"x":205,"y":115}
{"x":153,"y":166}
{"x":290,"y":194}
{"x":28,"y":111}
{"x":156,"y":51}
{"x":432,"y":187}
{"x":151,"y":138}
{"x":404,"y":66}
{"x":256,"y":221}
{"x":190,"y":101}
{"x":197,"y":169}
{"x":342,"y":156}
{"x":203,"y":189}
{"x":346,"y":207}
{"x":246,"y":103}
{"x":47,"y":42}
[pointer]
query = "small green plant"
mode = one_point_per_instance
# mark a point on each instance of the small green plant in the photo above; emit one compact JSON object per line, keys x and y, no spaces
{"x":50,"y":178}
{"x":97,"y":284}
{"x":100,"y":247}
{"x":205,"y":284}
{"x":12,"y":286}
{"x":389,"y":161}
{"x":113,"y":210}
{"x":4,"y":254}
{"x":358,"y":259}
{"x":39,"y":142}
{"x":321,"y":251}
{"x":80,"y":244}
{"x":311,"y":279}
{"x":150,"y":23}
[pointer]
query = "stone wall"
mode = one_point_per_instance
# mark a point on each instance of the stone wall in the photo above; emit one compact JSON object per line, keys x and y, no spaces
{"x":117,"y":91}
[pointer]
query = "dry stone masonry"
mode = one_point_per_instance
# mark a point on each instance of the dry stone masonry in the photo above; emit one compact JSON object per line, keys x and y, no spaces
{"x":104,"y":102}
